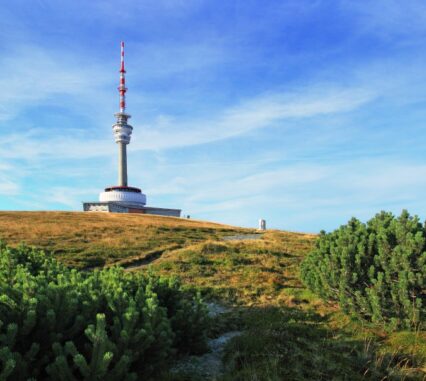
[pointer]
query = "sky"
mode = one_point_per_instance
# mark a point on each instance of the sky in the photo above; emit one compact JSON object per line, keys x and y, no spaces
{"x":302,"y":112}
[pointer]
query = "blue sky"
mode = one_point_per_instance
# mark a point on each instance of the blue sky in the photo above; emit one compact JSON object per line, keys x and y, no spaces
{"x":302,"y":112}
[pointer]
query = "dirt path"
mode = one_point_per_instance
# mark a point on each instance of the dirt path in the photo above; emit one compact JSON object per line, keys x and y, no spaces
{"x":243,"y":237}
{"x":137,"y":262}
{"x":208,"y":366}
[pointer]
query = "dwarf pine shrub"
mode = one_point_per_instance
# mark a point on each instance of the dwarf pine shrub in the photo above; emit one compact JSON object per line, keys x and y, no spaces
{"x":375,"y":271}
{"x":63,"y":324}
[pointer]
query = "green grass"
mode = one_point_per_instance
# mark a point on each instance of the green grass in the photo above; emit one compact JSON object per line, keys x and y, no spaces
{"x":288,"y":332}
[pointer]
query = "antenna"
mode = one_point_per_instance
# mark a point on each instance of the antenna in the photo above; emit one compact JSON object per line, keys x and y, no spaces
{"x":122,"y":88}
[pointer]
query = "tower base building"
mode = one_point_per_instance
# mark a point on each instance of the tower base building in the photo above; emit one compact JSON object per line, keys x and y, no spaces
{"x":123,"y":198}
{"x":114,"y":207}
{"x":120,"y":199}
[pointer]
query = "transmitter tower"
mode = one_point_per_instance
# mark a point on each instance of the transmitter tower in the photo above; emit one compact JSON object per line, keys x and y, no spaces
{"x":123,"y":198}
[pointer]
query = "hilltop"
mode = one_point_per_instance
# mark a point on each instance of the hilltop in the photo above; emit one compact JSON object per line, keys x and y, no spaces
{"x":283,"y":331}
{"x":95,"y":239}
{"x":204,"y":254}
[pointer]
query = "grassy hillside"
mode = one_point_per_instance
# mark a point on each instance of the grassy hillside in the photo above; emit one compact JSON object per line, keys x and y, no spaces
{"x":95,"y":239}
{"x":287,"y":332}
{"x":246,"y":272}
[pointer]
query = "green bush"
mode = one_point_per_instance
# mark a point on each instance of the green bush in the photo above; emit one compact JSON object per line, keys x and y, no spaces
{"x":62,"y":324}
{"x":375,"y":271}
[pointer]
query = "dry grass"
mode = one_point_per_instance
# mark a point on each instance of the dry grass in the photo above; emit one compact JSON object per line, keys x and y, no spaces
{"x":94,"y":239}
{"x":244,"y":272}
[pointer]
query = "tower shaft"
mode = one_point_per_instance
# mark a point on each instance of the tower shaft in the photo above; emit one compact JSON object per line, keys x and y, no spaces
{"x":122,"y":164}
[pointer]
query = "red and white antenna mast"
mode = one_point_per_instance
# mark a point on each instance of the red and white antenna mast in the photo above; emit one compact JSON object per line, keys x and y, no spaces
{"x":122,"y":88}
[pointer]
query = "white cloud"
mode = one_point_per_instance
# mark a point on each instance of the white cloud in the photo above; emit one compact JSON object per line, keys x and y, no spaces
{"x":31,"y":75}
{"x":9,"y":179}
{"x":252,"y":114}
{"x":9,"y":188}
{"x":165,"y":132}
{"x":70,"y":197}
{"x":358,"y":186}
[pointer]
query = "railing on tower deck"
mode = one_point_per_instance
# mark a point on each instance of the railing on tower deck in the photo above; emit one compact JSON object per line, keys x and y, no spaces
{"x":123,"y":189}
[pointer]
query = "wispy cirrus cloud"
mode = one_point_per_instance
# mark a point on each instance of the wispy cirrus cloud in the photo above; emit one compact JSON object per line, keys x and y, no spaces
{"x":9,"y":186}
{"x":168,"y":132}
{"x":252,"y":114}
{"x":302,"y":193}
{"x":33,"y":75}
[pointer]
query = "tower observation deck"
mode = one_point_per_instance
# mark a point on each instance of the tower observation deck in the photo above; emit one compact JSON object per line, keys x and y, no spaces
{"x":122,"y":197}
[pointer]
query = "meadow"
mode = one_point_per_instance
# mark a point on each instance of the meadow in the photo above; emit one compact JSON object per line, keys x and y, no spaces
{"x":85,"y":240}
{"x":286,"y":331}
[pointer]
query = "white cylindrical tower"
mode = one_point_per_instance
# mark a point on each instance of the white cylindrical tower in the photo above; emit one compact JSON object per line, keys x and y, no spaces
{"x":122,"y":131}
